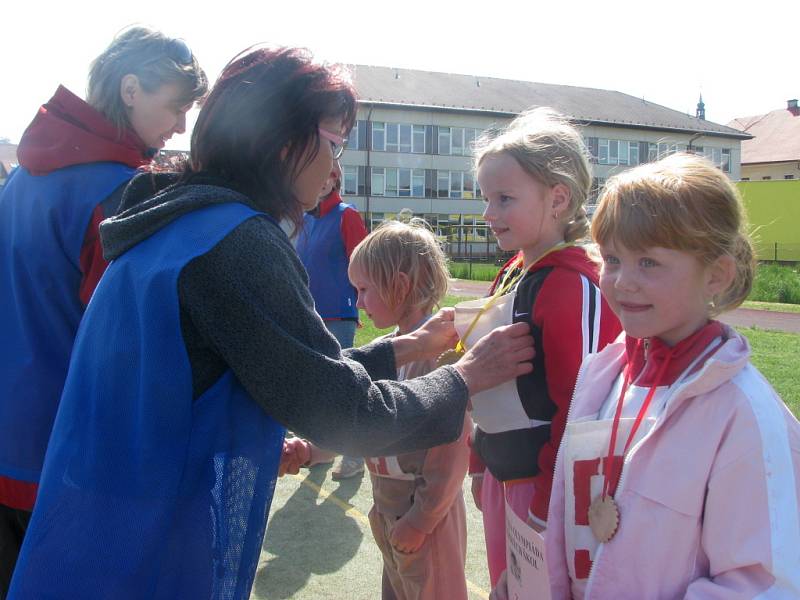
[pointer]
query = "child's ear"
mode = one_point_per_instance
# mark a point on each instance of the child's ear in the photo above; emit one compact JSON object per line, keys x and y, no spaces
{"x":402,"y":286}
{"x":561,"y":196}
{"x":720,"y":275}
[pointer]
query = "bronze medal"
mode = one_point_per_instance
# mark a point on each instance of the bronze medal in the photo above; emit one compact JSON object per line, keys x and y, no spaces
{"x":604,"y":518}
{"x":448,"y":357}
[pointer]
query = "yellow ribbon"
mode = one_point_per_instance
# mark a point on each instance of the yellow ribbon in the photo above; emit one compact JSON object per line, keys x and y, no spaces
{"x":504,"y":286}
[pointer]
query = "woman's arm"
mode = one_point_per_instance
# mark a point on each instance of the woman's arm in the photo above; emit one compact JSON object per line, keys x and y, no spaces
{"x":248,"y":304}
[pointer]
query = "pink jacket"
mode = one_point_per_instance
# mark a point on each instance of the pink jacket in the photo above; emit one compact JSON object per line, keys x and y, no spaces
{"x":708,"y":498}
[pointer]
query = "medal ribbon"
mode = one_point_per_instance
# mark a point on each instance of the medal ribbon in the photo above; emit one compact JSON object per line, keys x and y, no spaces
{"x":608,"y":487}
{"x":506,"y":284}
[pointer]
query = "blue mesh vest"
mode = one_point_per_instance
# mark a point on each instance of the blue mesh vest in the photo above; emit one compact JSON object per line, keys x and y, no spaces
{"x":321,"y":248}
{"x":145,"y":492}
{"x":43,"y":221}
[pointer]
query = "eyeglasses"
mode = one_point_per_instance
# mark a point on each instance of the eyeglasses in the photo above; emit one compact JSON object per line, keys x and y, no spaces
{"x":337,"y":142}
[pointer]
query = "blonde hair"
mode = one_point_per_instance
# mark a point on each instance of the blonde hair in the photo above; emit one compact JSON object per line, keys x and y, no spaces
{"x":155,"y":59}
{"x":685,"y":203}
{"x":409,"y":248}
{"x":549,"y":149}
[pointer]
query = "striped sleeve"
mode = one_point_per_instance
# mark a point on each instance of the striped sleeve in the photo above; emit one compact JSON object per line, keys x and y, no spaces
{"x":751,"y":518}
{"x":575,"y":321}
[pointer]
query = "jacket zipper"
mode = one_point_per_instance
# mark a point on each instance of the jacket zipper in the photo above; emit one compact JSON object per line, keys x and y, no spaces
{"x":633,"y":450}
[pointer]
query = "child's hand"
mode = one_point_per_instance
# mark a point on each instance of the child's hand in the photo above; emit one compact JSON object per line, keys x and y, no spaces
{"x":296,"y":452}
{"x":500,"y":591}
{"x":406,"y":538}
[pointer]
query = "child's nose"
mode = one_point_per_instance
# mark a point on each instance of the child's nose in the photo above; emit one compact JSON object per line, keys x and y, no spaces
{"x":625,"y":280}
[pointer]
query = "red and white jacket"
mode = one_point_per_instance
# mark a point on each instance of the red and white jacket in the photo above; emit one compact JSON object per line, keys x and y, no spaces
{"x":710,"y":488}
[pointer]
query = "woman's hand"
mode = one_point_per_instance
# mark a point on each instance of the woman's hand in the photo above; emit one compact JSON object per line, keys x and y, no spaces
{"x":504,"y":354}
{"x":406,"y":538}
{"x":429,"y":341}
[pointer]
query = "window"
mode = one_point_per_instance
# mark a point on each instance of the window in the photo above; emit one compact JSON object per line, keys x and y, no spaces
{"x":766,"y":178}
{"x":726,"y":160}
{"x":745,"y":179}
{"x":444,"y":140}
{"x":378,"y":180}
{"x":469,"y":140}
{"x":652,"y":152}
{"x":398,"y":182}
{"x":617,"y":152}
{"x":457,"y":184}
{"x":785,"y":177}
{"x":405,"y":137}
{"x":469,"y":185}
{"x":391,"y":137}
{"x":634,"y":153}
{"x":405,"y":182}
{"x":443,"y":184}
{"x":391,"y":182}
{"x":721,"y":157}
{"x":352,"y":138}
{"x":350,"y":176}
{"x":457,"y":141}
{"x":378,"y":136}
{"x":418,"y":183}
{"x":418,"y":139}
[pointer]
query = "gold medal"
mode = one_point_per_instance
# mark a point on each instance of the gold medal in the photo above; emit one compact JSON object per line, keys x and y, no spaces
{"x":448,"y":357}
{"x":604,"y":518}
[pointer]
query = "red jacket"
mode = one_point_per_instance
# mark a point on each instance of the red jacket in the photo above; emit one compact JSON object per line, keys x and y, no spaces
{"x":567,"y":324}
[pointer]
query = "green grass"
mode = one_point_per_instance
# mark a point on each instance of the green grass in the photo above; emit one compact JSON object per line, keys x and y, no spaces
{"x":775,"y":355}
{"x":776,"y":283}
{"x":771,"y":306}
{"x":474,"y":271}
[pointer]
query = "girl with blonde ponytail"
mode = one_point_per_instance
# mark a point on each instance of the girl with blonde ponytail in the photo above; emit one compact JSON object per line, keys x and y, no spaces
{"x":679,"y":468}
{"x":535,"y":176}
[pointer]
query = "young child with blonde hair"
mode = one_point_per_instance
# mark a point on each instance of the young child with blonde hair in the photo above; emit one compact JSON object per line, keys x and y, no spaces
{"x":535,"y":177}
{"x":679,"y":472}
{"x":418,"y":518}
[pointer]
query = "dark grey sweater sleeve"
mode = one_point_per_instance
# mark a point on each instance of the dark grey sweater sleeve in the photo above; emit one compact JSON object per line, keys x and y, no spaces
{"x":248,"y":304}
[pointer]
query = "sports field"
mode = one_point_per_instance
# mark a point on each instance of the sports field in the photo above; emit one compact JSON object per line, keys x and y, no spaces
{"x":319,"y":546}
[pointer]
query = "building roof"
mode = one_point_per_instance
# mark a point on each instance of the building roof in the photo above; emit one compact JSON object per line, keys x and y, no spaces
{"x":447,"y":91}
{"x":776,"y":136}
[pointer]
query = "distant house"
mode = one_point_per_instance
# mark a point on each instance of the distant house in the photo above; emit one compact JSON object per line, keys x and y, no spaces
{"x":412,"y":143}
{"x":773,"y":153}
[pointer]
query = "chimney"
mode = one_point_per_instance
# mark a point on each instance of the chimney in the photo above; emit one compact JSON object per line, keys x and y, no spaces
{"x":792,"y":107}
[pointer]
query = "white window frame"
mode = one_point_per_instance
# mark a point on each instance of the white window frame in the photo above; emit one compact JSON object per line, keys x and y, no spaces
{"x":405,"y":148}
{"x":378,"y":190}
{"x":392,"y":128}
{"x":352,"y":138}
{"x":379,"y":126}
{"x":445,"y":132}
{"x":349,"y":173}
{"x":415,"y":131}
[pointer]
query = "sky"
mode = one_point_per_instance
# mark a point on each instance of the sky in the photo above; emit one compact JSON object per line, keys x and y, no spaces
{"x":742,"y":57}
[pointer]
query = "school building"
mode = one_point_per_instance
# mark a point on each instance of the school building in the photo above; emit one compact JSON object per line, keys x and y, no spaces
{"x":411,"y":146}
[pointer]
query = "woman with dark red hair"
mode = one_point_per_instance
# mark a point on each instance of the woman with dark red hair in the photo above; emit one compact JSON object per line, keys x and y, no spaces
{"x":201,"y":344}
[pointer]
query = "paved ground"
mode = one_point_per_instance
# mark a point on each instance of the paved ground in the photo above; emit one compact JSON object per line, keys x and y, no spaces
{"x":741,"y":317}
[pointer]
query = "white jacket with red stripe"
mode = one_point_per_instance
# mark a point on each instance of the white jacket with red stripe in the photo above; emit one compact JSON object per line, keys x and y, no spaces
{"x":708,"y":497}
